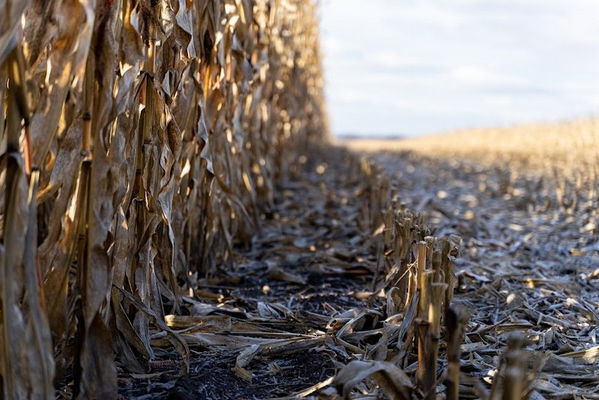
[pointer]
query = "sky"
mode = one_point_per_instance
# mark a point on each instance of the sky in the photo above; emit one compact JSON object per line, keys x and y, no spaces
{"x":411,"y":67}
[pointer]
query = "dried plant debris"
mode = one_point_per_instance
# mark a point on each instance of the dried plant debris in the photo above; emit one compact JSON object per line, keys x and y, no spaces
{"x":314,"y":307}
{"x":264,"y":328}
{"x":528,"y":265}
{"x":324,"y":283}
{"x":167,"y":164}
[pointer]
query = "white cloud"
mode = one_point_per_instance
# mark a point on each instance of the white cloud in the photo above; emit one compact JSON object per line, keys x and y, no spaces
{"x":416,"y":66}
{"x":499,"y":101}
{"x":387,"y":59}
{"x":481,"y":76}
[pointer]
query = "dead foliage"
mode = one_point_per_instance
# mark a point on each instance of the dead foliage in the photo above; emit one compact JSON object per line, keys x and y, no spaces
{"x":140,"y":141}
{"x":170,"y":198}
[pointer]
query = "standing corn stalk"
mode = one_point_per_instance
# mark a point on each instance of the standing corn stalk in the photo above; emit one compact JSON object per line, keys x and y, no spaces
{"x":140,"y":141}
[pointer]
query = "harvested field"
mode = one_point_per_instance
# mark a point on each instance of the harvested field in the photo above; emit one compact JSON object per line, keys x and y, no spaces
{"x":527,"y":214}
{"x":564,"y":149}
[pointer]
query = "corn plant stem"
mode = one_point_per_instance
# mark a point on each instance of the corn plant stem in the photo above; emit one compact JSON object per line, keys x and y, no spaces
{"x":425,"y":375}
{"x":32,"y":281}
{"x":83,"y":207}
{"x":421,"y":265}
{"x":15,"y":108}
{"x":455,"y":337}
{"x":9,"y":267}
{"x":434,"y":318}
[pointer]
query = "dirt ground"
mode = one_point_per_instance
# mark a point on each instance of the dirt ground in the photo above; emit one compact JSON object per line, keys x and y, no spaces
{"x":263,"y":331}
{"x":308,"y":269}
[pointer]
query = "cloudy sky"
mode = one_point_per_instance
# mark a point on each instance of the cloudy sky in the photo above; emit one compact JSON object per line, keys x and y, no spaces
{"x":411,"y":67}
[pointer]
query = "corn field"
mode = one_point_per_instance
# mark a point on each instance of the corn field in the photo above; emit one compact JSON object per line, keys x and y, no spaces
{"x":160,"y":158}
{"x":140,"y":139}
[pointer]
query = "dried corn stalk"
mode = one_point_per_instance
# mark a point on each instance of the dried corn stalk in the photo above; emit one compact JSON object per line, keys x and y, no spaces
{"x":140,"y":141}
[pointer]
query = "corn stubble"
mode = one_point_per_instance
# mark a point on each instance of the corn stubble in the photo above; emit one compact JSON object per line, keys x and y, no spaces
{"x":563,"y":155}
{"x":417,"y":273}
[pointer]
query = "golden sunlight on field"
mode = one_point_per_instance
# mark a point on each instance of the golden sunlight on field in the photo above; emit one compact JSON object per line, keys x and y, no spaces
{"x":571,"y":146}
